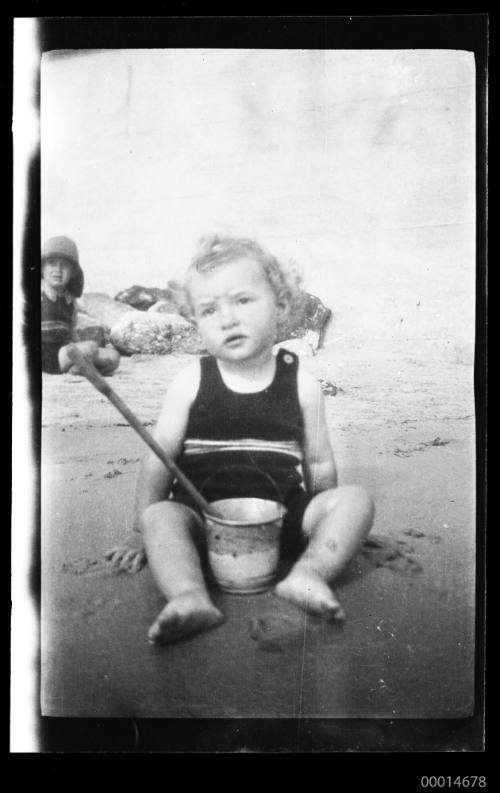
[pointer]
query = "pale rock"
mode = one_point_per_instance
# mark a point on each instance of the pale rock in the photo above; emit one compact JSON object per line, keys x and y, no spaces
{"x":142,"y":332}
{"x":185,"y":336}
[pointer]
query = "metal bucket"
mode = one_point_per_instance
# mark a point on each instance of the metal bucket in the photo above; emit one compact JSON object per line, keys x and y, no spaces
{"x":243,"y":545}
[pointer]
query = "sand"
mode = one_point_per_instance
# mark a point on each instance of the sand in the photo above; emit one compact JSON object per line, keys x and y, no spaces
{"x":402,"y":424}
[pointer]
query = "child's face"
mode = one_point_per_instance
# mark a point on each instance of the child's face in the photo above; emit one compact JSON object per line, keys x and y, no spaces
{"x":235,"y":310}
{"x":57,"y":272}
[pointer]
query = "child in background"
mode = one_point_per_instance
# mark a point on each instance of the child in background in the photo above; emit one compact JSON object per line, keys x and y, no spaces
{"x":242,"y":410}
{"x":62,"y":282}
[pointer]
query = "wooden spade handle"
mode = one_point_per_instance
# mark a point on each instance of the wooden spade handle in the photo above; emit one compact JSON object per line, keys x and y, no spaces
{"x":90,"y":372}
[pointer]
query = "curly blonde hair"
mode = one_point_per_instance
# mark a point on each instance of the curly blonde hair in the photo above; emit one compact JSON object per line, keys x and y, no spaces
{"x":214,"y":251}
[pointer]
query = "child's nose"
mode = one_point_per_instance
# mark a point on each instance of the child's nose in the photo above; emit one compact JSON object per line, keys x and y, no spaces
{"x":227,"y":316}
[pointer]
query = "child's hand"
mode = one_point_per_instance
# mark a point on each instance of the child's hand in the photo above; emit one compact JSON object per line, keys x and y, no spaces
{"x":130,"y":557}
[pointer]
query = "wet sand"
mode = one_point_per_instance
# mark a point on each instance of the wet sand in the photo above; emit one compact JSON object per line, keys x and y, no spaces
{"x":402,"y":424}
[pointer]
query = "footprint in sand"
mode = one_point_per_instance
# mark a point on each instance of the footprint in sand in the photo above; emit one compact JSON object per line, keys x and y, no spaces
{"x":406,"y":546}
{"x":84,"y":566}
{"x":414,"y":533}
{"x":274,"y":632}
{"x":435,"y":538}
{"x":384,"y":552}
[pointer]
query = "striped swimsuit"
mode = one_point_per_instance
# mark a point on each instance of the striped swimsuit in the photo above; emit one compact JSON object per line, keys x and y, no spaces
{"x":57,"y":319}
{"x":247,"y":445}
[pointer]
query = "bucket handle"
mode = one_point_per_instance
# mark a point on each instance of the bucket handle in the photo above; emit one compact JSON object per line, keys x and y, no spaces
{"x":254,"y":468}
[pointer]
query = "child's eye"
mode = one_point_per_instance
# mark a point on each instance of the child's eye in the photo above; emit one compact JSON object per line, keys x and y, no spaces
{"x":243,"y":300}
{"x":207,"y":311}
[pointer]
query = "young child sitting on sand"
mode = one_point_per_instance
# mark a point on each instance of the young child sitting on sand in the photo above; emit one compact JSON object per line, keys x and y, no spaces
{"x":62,"y":282}
{"x":243,"y":407}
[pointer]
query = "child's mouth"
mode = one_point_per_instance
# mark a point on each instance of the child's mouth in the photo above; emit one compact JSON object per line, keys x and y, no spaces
{"x":234,"y":340}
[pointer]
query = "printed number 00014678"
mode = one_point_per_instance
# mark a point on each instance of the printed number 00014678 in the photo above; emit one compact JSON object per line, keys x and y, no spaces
{"x":449,"y":781}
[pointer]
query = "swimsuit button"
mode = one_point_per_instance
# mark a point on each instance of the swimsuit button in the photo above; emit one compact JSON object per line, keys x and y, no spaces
{"x":287,"y":358}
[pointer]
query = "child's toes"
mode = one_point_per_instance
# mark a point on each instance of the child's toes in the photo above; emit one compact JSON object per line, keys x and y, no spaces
{"x":334,"y":611}
{"x":162,"y":629}
{"x":154,"y":632}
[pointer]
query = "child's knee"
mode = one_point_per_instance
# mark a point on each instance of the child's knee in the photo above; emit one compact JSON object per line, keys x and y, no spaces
{"x":154,"y":516}
{"x":107,"y":360}
{"x":111,"y":355}
{"x":166,"y":516}
{"x":88,"y":348}
{"x":354,"y":499}
{"x":361,"y":500}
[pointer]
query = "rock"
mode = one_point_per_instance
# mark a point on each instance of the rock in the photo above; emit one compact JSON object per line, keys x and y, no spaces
{"x":185,"y":337}
{"x":103,"y":308}
{"x":313,"y":316}
{"x":301,"y":347}
{"x":142,"y":332}
{"x":142,"y":297}
{"x":153,"y":333}
{"x":328,"y":388}
{"x":164,"y":307}
{"x":89,"y":329}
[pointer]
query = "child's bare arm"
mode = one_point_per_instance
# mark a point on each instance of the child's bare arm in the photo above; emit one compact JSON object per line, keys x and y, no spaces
{"x":74,"y":335}
{"x":155,"y":481}
{"x":320,"y":471}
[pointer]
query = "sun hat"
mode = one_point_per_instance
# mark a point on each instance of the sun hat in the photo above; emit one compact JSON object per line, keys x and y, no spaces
{"x":66,"y":248}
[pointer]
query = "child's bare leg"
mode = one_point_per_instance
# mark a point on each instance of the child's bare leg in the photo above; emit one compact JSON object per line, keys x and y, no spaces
{"x":107,"y":360}
{"x":87,"y":348}
{"x":336,"y":521}
{"x":169,"y":529}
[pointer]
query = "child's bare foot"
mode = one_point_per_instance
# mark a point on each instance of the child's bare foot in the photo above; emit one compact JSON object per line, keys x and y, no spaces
{"x":185,"y":615}
{"x":309,"y":591}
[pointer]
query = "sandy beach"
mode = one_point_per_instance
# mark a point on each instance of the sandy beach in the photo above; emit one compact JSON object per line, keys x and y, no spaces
{"x":402,"y":424}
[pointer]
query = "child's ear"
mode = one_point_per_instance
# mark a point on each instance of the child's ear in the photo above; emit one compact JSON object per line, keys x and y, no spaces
{"x":283,"y":308}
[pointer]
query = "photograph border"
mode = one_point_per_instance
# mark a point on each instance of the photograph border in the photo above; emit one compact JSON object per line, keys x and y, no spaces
{"x":451,"y":31}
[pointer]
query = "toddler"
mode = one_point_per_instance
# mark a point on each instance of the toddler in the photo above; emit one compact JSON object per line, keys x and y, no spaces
{"x":229,"y":418}
{"x":62,"y":282}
